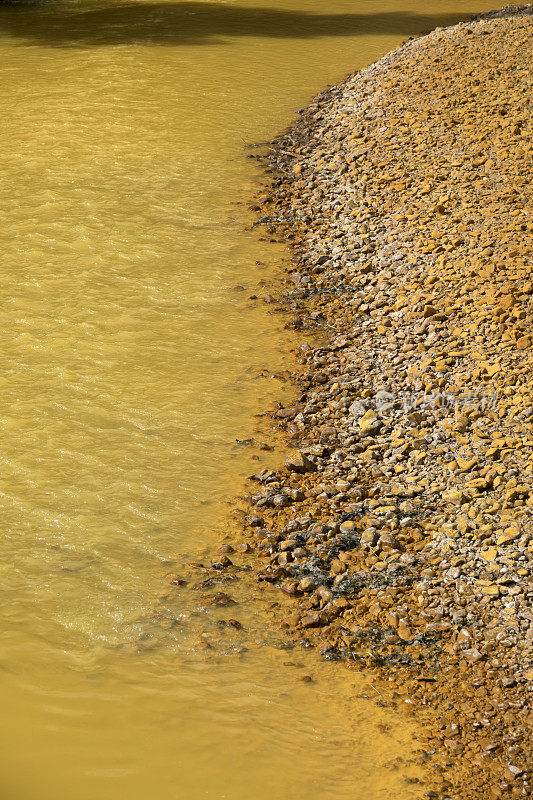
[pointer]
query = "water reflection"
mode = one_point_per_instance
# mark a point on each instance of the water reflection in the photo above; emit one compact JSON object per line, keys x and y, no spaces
{"x":170,"y":23}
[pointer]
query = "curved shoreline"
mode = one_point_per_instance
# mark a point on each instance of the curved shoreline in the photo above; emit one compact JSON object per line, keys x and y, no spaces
{"x":402,"y":525}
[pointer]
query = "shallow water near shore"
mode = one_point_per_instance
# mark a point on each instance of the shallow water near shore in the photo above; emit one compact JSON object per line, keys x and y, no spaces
{"x":132,"y":364}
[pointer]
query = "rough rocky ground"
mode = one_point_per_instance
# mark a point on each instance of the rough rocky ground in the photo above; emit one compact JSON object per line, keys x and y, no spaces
{"x":401,"y":523}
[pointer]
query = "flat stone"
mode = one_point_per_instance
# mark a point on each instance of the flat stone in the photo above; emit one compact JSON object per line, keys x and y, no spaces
{"x":509,"y":535}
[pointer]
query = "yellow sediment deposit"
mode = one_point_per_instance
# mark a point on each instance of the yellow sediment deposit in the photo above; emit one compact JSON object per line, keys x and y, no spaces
{"x":402,"y":530}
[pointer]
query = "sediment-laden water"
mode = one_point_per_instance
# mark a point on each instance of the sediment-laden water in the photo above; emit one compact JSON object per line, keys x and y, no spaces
{"x":131,"y":365}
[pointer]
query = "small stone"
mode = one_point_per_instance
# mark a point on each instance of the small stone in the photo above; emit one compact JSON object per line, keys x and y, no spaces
{"x":455,"y":496}
{"x":307,"y":584}
{"x":369,"y":538}
{"x":491,"y":591}
{"x":428,"y":311}
{"x":478,"y":484}
{"x":489,"y":554}
{"x":392,"y":619}
{"x":466,"y":464}
{"x":221,"y":563}
{"x":348,"y":526}
{"x":222,"y":599}
{"x":507,"y":683}
{"x":473,"y":655}
{"x":509,"y":535}
{"x":299,"y":462}
{"x":404,"y":630}
{"x":369,"y":423}
{"x":313,"y":620}
{"x":513,"y":771}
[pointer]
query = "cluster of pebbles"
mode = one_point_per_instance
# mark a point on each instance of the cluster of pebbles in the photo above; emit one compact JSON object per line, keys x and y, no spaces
{"x":401,"y":523}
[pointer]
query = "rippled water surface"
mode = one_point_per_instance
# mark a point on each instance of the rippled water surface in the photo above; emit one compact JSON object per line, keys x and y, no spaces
{"x":131,"y":364}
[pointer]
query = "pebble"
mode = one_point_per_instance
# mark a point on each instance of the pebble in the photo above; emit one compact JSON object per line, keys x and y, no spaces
{"x":401,"y":524}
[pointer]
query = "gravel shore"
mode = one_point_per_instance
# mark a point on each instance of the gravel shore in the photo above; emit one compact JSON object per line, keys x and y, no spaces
{"x":401,"y":523}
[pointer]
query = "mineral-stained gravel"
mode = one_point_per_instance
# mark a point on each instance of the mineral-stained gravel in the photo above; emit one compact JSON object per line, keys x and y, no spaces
{"x":401,"y":523}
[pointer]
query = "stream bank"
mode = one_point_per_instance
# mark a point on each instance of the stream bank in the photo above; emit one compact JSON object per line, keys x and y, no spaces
{"x":400,"y":524}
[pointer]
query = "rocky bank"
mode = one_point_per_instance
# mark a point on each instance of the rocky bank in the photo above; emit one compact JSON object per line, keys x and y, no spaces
{"x":401,"y":523}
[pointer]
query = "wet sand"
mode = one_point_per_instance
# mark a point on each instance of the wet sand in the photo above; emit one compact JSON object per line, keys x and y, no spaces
{"x":400,"y":525}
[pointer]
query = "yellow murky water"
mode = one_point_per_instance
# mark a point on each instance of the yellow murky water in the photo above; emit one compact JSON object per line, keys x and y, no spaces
{"x":130,"y":366}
